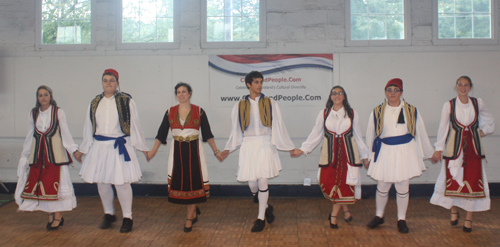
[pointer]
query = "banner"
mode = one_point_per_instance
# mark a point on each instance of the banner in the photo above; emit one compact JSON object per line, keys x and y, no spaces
{"x":290,"y":79}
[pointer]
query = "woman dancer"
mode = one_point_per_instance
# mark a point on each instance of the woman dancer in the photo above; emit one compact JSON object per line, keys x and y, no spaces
{"x":44,"y":182}
{"x":462,"y":182}
{"x":338,"y":176}
{"x":187,"y":168}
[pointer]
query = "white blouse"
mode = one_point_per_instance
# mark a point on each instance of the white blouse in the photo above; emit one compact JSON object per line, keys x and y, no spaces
{"x":108,"y":124}
{"x":464,"y":114}
{"x":338,"y":122}
{"x":278,"y":132}
{"x":42,"y":124}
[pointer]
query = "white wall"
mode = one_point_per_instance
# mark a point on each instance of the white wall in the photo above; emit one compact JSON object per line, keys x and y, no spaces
{"x":307,"y":26}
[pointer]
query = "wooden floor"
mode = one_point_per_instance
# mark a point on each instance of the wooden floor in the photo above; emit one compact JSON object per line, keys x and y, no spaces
{"x":227,"y":222}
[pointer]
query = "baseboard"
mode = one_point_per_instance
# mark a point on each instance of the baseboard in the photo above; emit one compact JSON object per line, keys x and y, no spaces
{"x":368,"y":191}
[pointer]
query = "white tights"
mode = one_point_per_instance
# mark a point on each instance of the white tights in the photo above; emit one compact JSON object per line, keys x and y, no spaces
{"x":260,"y":185}
{"x":402,"y":197}
{"x":125,"y":196}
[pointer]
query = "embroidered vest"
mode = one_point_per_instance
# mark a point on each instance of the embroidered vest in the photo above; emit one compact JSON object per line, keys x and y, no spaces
{"x":55,"y":151}
{"x":410,"y":112}
{"x":453,"y":144}
{"x":265,"y":111}
{"x":122,"y":106}
{"x":192,"y":120}
{"x":327,"y":157}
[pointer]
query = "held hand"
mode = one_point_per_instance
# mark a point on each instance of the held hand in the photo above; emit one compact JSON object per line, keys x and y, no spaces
{"x":366,"y":163}
{"x":224,"y":154}
{"x":78,"y":156}
{"x":146,"y":154}
{"x":296,"y":152}
{"x":436,"y":157}
{"x":219,"y":156}
{"x":481,"y":133}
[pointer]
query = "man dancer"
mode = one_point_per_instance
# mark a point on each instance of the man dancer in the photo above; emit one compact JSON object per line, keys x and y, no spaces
{"x":399,"y":142}
{"x":257,"y":126}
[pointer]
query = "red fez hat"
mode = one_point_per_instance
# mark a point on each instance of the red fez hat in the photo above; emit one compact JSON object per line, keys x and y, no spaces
{"x":396,"y":82}
{"x":112,"y":71}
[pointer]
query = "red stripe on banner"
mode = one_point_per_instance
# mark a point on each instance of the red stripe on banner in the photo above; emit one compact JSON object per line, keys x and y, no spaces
{"x":249,"y":59}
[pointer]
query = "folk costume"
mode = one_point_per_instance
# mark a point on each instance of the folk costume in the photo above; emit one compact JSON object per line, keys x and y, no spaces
{"x":341,"y":154}
{"x":462,"y":181}
{"x":399,"y":143}
{"x":187,"y":166}
{"x":258,"y":130}
{"x":111,"y":134}
{"x":44,"y":181}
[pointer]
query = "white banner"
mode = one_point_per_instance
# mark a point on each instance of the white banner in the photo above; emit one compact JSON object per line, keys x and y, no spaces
{"x":290,"y":79}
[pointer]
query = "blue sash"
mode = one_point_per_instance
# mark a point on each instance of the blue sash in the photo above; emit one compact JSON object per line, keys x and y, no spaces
{"x":393,"y":140}
{"x":119,"y":141}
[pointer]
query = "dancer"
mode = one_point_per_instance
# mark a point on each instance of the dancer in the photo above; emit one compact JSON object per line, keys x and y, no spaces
{"x":111,"y":134}
{"x":44,"y":182}
{"x":397,"y":137}
{"x":187,"y":165}
{"x":462,"y":181}
{"x":342,"y":153}
{"x":258,"y":130}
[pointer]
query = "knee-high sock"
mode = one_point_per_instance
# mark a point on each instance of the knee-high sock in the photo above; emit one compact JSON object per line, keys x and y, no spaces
{"x":382,"y":197}
{"x":402,"y":198}
{"x":263,"y":197}
{"x":107,"y":195}
{"x":125,"y":196}
{"x":254,"y":187}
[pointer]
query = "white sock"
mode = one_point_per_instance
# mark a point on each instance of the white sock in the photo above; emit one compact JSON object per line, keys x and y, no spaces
{"x":402,"y":198}
{"x":254,"y":187}
{"x":263,"y":197}
{"x":125,"y":196}
{"x":107,"y":196}
{"x":382,"y":197}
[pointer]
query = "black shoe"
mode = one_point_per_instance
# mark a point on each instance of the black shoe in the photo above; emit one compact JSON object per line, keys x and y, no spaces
{"x":375,"y":222}
{"x":333,"y":226}
{"x":402,"y":227}
{"x":455,"y":222}
{"x":466,"y":229}
{"x":126,"y":225}
{"x":256,"y":197}
{"x":258,"y":225}
{"x":198,"y":212}
{"x":50,"y":221}
{"x":53,"y":228}
{"x":348,"y":219}
{"x":188,"y":229}
{"x":269,"y":214}
{"x":106,"y":222}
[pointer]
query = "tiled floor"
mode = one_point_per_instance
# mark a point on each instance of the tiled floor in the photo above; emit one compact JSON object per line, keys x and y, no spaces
{"x":227,"y":222}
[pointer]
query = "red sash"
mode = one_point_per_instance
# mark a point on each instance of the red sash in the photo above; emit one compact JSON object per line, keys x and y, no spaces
{"x":43,"y":178}
{"x":473,"y":175}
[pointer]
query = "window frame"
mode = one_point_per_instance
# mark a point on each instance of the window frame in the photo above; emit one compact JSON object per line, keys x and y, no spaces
{"x":64,"y":47}
{"x":235,"y":44}
{"x":471,"y":41}
{"x":401,"y":42}
{"x":145,"y":45}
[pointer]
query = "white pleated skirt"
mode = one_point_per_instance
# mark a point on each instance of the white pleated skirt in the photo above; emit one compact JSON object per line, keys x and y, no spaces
{"x":258,"y":159}
{"x":103,"y":164}
{"x":397,"y":163}
{"x":66,"y":196}
{"x":467,"y":204}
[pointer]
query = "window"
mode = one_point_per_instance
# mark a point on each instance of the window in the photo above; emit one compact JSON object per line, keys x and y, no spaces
{"x":148,"y":24}
{"x":465,"y":20}
{"x":234,"y":23}
{"x":378,"y":22}
{"x":64,"y":24}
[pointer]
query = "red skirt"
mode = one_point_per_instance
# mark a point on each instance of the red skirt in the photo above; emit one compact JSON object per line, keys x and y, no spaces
{"x":43,"y":178}
{"x":332,"y":178}
{"x":473,"y":176}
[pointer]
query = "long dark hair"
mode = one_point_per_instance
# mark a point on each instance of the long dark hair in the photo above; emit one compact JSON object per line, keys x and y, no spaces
{"x":36,"y":109}
{"x":347,"y":107}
